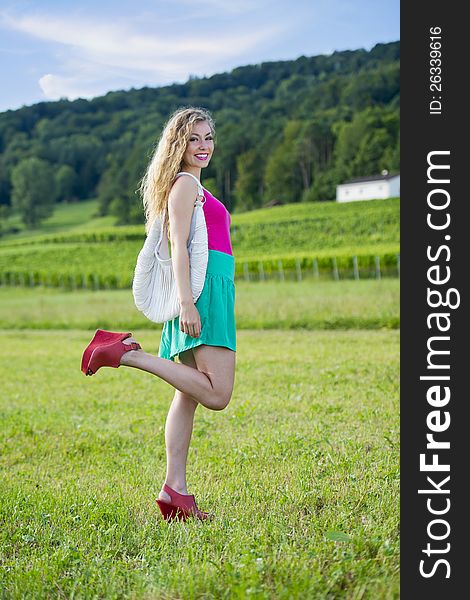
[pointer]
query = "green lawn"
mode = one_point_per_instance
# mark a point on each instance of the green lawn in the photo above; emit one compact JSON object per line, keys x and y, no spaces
{"x":310,"y":304}
{"x":301,"y":469}
{"x":71,"y":217}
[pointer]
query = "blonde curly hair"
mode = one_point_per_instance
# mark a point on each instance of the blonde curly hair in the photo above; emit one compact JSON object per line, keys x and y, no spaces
{"x":167,"y":160}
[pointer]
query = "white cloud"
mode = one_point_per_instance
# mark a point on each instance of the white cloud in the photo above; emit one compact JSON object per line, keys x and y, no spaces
{"x":96,"y":56}
{"x":55,"y":87}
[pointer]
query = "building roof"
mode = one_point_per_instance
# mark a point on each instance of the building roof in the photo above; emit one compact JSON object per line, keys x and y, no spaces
{"x":372,"y":178}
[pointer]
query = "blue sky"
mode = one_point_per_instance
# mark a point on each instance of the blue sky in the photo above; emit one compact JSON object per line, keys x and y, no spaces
{"x":82,"y":49}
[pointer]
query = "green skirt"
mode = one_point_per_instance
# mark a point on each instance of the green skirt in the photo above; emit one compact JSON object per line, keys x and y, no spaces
{"x":216,"y":306}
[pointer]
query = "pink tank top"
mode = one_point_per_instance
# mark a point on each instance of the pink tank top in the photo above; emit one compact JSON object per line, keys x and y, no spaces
{"x":218,"y":220}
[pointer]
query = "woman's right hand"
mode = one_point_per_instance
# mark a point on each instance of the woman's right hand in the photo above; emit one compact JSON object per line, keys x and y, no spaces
{"x":190,"y":320}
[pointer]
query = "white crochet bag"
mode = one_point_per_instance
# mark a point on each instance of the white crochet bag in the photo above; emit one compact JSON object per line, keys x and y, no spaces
{"x":154,"y":284}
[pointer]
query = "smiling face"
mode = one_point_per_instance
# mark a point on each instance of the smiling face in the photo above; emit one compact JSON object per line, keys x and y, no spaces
{"x":200,"y":147}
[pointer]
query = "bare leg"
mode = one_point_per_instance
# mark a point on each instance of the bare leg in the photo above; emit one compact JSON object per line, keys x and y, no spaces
{"x":178,"y":430}
{"x":211,"y":384}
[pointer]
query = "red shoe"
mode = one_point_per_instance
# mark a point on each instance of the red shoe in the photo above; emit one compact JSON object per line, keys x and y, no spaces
{"x":105,"y":349}
{"x":101,"y":337}
{"x":181,"y":506}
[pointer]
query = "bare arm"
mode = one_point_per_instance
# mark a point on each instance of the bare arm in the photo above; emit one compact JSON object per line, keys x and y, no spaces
{"x":180,"y":212}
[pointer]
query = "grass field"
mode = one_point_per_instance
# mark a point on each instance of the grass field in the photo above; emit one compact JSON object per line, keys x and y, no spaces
{"x":301,"y":469}
{"x":75,"y":216}
{"x":367,"y":304}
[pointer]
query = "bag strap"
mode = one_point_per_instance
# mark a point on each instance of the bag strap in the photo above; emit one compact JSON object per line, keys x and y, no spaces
{"x":200,"y":189}
{"x":201,"y":202}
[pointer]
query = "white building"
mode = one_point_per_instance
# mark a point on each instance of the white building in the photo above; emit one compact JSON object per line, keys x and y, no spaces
{"x":369,"y":188}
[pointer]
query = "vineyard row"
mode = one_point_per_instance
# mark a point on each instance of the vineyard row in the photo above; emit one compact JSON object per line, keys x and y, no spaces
{"x":297,"y":269}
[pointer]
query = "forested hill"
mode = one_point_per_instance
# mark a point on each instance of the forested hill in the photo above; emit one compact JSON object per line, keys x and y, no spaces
{"x":286,"y":130}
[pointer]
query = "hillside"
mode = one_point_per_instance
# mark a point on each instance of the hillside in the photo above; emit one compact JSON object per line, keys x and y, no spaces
{"x":286,"y":130}
{"x":80,"y":248}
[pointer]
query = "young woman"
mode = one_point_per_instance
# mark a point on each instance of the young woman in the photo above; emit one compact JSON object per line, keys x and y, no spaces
{"x":203,"y":336}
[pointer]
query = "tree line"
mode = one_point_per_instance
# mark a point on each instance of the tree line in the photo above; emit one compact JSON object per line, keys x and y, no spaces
{"x":286,"y":131}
